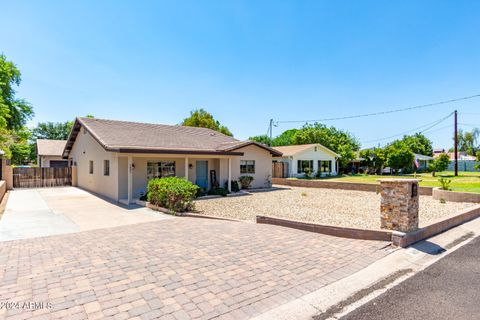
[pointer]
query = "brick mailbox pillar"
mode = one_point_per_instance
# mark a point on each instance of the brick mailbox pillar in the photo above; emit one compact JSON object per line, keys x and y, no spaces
{"x":399,"y":204}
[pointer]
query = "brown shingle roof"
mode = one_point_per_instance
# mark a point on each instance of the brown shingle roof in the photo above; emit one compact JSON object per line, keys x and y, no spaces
{"x":50,"y":147}
{"x":126,"y":136}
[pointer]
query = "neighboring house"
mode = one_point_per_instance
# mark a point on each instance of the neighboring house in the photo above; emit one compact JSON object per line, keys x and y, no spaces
{"x":117,"y":158}
{"x":315,"y":157}
{"x":49,"y":153}
{"x":422,"y":161}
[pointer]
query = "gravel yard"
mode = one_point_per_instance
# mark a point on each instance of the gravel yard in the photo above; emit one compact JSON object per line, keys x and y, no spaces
{"x":358,"y":209}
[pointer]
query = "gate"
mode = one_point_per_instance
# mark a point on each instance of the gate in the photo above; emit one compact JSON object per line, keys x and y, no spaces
{"x":280,"y":169}
{"x":41,"y":177}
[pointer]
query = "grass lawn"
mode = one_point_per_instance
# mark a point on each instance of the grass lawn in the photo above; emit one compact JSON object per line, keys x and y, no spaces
{"x":466,"y":181}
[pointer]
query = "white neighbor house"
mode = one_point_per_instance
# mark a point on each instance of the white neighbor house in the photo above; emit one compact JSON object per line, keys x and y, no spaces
{"x":314,"y":156}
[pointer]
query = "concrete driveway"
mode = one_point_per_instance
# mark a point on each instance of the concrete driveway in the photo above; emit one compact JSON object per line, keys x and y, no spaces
{"x":48,"y":211}
{"x":181,"y":268}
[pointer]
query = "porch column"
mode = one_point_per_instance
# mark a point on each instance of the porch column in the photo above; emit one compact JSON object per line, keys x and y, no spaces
{"x":186,"y":168}
{"x":229,"y":182}
{"x":130,"y":179}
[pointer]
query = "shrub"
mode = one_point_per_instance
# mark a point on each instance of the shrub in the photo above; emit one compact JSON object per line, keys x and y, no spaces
{"x":234,"y":185}
{"x":218,"y":192}
{"x":308,"y":173}
{"x":443,"y":201}
{"x":173,"y":193}
{"x":445,"y":183}
{"x":245,"y":181}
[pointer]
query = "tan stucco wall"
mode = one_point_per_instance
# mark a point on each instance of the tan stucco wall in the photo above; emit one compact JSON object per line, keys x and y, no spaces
{"x":86,"y":148}
{"x":263,"y":165}
{"x":140,"y":172}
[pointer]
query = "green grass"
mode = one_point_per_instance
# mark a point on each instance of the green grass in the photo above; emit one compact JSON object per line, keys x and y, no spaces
{"x":466,"y":181}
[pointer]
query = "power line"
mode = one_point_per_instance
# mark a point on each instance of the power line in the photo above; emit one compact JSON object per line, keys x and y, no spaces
{"x":441,"y":128}
{"x":428,"y":125}
{"x":469,"y":124}
{"x":381,"y":112}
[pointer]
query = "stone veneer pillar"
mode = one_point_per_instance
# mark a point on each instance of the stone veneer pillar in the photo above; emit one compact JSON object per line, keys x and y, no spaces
{"x":399,"y":204}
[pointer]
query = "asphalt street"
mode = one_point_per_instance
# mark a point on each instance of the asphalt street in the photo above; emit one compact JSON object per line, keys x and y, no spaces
{"x":448,"y":289}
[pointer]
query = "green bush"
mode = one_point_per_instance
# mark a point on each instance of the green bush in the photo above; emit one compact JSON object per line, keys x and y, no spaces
{"x":245,"y":181}
{"x":308,"y":173}
{"x":234,"y":185}
{"x":218,"y":192}
{"x":173,"y":193}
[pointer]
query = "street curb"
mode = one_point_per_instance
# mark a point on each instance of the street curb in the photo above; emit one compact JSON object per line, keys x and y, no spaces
{"x":417,"y":257}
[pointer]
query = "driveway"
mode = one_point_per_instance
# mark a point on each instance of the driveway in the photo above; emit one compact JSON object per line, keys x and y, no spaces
{"x":182,"y":268}
{"x":49,"y":211}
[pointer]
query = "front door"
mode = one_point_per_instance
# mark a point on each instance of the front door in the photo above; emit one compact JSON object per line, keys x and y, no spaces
{"x":202,"y":174}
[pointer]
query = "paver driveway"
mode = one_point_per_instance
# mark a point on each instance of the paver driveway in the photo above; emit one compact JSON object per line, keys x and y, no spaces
{"x":174,"y":269}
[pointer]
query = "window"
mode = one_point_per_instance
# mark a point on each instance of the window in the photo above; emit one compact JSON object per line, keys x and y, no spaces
{"x":304,"y":164}
{"x":247,"y":166}
{"x":106,"y":167}
{"x":90,"y":167}
{"x":325,"y":165}
{"x":160,"y":169}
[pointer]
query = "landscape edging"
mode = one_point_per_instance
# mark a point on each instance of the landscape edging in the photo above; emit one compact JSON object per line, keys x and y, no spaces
{"x":355,"y":186}
{"x":343,"y":232}
{"x":455,"y":196}
{"x":403,"y":240}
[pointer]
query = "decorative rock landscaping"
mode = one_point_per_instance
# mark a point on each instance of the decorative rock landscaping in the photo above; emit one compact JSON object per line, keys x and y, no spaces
{"x":355,"y":209}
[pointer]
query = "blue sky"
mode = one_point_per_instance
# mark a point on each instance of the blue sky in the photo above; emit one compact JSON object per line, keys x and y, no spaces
{"x":248,"y":61}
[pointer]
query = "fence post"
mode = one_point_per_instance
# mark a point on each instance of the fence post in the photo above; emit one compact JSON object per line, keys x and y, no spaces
{"x":8,"y":171}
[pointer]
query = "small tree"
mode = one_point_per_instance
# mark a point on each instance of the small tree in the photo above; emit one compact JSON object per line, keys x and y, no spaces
{"x":399,"y":157}
{"x":440,"y":164}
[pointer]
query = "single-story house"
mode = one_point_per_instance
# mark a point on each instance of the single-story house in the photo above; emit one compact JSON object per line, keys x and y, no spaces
{"x":50,"y":153}
{"x":117,"y":158}
{"x":422,"y":161}
{"x":315,"y":157}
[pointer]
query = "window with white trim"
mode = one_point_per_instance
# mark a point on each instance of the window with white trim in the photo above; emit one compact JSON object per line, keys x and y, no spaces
{"x":106,"y":167}
{"x":325,"y":166}
{"x":304,"y":164}
{"x":160,"y":169}
{"x":247,"y":166}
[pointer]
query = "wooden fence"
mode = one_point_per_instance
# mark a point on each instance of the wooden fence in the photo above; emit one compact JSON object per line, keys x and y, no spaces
{"x":280,"y":170}
{"x":41,"y":177}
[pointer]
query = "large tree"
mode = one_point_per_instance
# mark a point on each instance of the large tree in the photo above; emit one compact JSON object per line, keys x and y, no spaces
{"x":284,"y":139}
{"x":204,"y":119}
{"x":418,"y":143}
{"x":399,"y":156}
{"x":14,"y":111}
{"x":53,"y":130}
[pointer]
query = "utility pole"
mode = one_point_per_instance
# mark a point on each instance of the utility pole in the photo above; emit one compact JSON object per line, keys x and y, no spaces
{"x":455,"y":138}
{"x":270,"y":130}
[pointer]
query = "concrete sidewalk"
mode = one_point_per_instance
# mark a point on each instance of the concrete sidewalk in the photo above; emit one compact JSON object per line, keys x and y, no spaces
{"x":43,"y":212}
{"x":27,"y":215}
